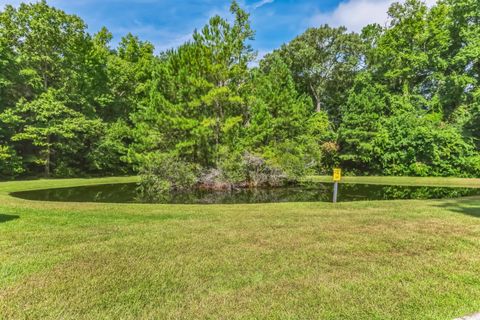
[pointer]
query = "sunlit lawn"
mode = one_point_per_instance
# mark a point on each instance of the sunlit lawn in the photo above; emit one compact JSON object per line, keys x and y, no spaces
{"x":365,"y":260}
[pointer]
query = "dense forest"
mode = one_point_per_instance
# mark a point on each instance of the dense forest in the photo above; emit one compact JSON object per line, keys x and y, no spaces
{"x":399,"y":99}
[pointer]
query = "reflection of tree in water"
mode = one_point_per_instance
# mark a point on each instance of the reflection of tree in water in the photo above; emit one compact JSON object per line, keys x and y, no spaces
{"x":381,"y":192}
{"x":309,"y":192}
{"x":313,"y":193}
{"x":393,"y":192}
{"x":100,"y":193}
{"x":259,"y":195}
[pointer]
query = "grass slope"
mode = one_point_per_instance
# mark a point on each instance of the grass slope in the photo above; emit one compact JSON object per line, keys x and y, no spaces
{"x":365,"y":260}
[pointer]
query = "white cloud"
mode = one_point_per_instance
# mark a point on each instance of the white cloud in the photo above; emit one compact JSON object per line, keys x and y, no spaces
{"x":261,"y":3}
{"x":356,"y":14}
{"x":162,"y":39}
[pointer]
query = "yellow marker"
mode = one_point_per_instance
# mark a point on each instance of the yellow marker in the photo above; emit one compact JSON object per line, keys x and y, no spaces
{"x":337,"y":174}
{"x":337,"y":177}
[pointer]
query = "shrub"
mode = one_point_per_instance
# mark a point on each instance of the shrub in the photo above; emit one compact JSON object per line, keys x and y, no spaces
{"x":110,"y":151}
{"x":419,"y":169}
{"x":472,"y":166}
{"x":243,"y":171}
{"x":232,"y":168}
{"x":295,"y":158}
{"x":162,"y":173}
{"x":261,"y":173}
{"x":214,"y":179}
{"x":330,"y":155}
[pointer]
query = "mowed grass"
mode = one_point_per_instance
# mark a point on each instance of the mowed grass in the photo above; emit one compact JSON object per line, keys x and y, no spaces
{"x":364,"y":260}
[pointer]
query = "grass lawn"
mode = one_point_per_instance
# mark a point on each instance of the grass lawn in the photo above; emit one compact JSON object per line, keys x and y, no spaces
{"x":364,"y":260}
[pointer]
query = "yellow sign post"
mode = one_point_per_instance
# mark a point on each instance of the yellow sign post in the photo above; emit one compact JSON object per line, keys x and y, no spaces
{"x":337,"y":177}
{"x":337,"y":174}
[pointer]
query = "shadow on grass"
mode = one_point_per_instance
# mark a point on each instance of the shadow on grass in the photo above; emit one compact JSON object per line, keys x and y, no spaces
{"x":5,"y":218}
{"x":465,"y":206}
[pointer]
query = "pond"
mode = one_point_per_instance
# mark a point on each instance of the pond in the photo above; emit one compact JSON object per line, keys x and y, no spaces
{"x":312,"y":192}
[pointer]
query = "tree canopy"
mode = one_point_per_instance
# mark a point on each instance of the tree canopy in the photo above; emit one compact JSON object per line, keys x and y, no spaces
{"x":400,"y":99}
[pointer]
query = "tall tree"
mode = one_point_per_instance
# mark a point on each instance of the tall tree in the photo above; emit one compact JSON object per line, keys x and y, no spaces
{"x":280,"y":122}
{"x":46,"y":127}
{"x":50,"y":48}
{"x":195,"y":95}
{"x":406,"y":113}
{"x":324,"y":62}
{"x":461,"y":92}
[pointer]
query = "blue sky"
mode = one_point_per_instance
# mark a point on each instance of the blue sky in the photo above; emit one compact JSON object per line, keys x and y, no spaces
{"x":168,"y":23}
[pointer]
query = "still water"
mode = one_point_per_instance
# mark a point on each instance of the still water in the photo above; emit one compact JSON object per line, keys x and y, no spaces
{"x":312,"y":192}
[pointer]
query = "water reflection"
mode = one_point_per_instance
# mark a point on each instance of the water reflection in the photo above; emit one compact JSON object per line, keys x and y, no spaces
{"x":313,"y":192}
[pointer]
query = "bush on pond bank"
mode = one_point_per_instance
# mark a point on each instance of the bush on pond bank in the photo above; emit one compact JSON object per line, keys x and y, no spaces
{"x":162,"y":173}
{"x":243,"y":171}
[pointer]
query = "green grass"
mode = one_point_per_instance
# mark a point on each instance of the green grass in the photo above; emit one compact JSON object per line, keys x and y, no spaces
{"x":365,"y":260}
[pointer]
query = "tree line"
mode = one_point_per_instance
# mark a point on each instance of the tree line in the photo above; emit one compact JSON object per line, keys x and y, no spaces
{"x":400,"y":99}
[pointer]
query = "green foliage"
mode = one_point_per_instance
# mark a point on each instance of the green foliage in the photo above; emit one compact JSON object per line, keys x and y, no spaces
{"x":164,"y":172}
{"x":50,"y":50}
{"x":413,"y":111}
{"x":10,"y":163}
{"x":361,"y":131}
{"x":277,"y":111}
{"x":110,"y":153}
{"x":195,"y":106}
{"x":424,"y":146}
{"x":47,"y":125}
{"x":384,"y":134}
{"x":261,"y":172}
{"x":233,"y":167}
{"x":403,"y":99}
{"x":247,"y":170}
{"x":282,"y":125}
{"x":323,"y":62}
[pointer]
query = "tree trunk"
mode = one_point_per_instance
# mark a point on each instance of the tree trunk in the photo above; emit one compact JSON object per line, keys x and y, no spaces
{"x":217,"y":130}
{"x":47,"y":159}
{"x":318,"y":104}
{"x":44,"y":76}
